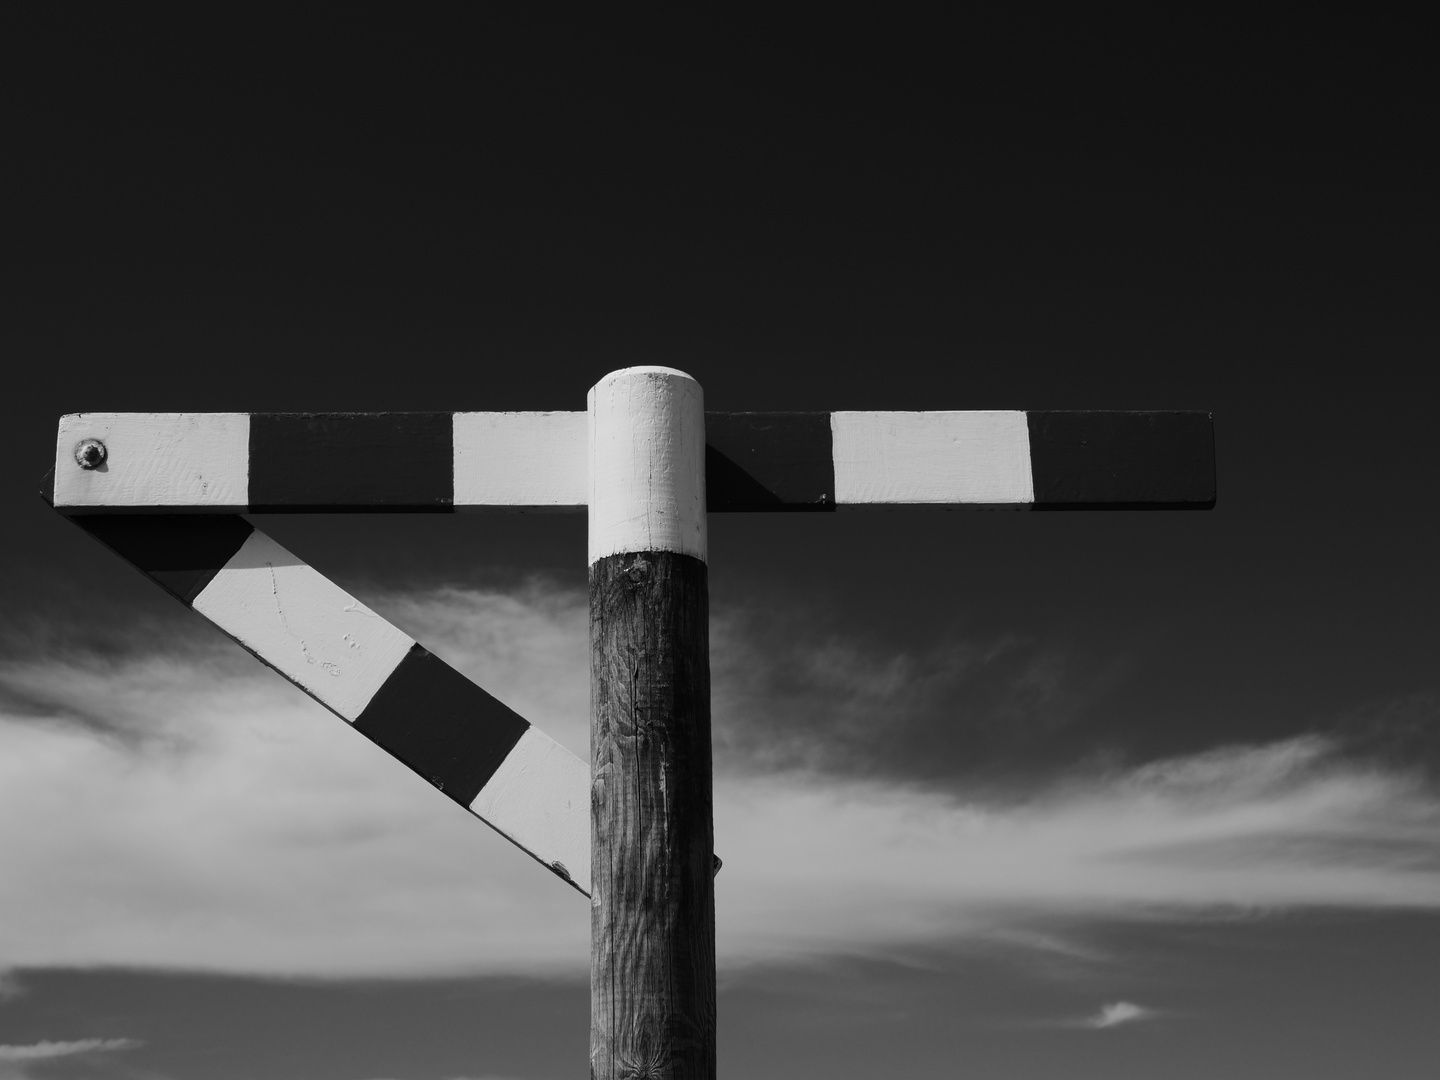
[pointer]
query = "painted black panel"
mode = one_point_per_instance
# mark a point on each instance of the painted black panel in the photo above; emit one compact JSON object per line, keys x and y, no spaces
{"x":441,"y":724}
{"x":769,"y":461}
{"x":352,"y":461}
{"x":182,"y":552}
{"x":1122,"y":460}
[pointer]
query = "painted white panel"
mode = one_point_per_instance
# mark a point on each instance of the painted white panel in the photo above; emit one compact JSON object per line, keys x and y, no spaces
{"x":539,"y":799}
{"x":156,"y":459}
{"x":932,"y":457}
{"x":647,"y":463}
{"x":304,"y":625}
{"x":519,"y":459}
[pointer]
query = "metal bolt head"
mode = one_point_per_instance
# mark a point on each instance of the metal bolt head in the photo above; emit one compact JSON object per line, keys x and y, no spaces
{"x":90,"y":453}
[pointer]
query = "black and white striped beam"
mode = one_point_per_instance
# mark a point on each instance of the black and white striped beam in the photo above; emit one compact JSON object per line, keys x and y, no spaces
{"x":443,"y":462}
{"x":410,"y":703}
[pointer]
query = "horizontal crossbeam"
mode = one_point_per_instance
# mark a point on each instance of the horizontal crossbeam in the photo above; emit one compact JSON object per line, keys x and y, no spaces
{"x":797,"y":461}
{"x":371,"y":674}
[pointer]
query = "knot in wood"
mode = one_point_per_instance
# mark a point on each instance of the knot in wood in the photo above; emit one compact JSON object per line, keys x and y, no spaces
{"x":637,"y":573}
{"x":649,"y":1063}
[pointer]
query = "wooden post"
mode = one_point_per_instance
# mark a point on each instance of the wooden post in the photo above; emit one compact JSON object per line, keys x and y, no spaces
{"x":652,"y":913}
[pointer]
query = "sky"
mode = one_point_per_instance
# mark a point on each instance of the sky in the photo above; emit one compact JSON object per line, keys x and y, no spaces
{"x":1007,"y":795}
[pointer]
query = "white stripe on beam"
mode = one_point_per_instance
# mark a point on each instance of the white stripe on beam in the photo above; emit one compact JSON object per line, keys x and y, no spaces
{"x":521,"y":459}
{"x":303,"y":625}
{"x":201,"y":461}
{"x":194,"y":460}
{"x":539,"y":799}
{"x":980,"y":458}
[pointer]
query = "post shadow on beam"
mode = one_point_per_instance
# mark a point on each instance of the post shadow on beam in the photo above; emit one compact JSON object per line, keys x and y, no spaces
{"x":769,"y":461}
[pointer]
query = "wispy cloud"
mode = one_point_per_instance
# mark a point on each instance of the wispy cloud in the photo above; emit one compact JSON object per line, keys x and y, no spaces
{"x":787,"y":694}
{"x":1117,"y":1013}
{"x":147,"y":799}
{"x":827,"y":865}
{"x":43,"y":1050}
{"x":14,"y":1060}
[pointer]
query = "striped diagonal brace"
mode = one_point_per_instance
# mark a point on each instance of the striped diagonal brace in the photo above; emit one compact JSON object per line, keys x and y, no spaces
{"x":369,"y":673}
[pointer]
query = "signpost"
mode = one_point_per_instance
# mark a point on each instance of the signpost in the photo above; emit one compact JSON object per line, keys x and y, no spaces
{"x":634,"y":829}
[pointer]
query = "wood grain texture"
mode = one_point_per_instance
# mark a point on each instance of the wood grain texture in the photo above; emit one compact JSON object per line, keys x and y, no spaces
{"x":652,"y":975}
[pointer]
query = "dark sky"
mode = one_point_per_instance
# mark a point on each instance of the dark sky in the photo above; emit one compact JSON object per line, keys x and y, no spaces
{"x":329,"y":209}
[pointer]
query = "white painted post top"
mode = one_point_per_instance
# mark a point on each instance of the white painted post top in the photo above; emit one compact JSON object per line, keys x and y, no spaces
{"x":647,"y":463}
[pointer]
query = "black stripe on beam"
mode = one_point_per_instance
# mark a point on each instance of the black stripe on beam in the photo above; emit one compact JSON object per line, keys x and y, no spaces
{"x":769,"y":461}
{"x":352,"y":461}
{"x":1122,"y":460}
{"x":442,"y":725}
{"x":180,"y":552}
